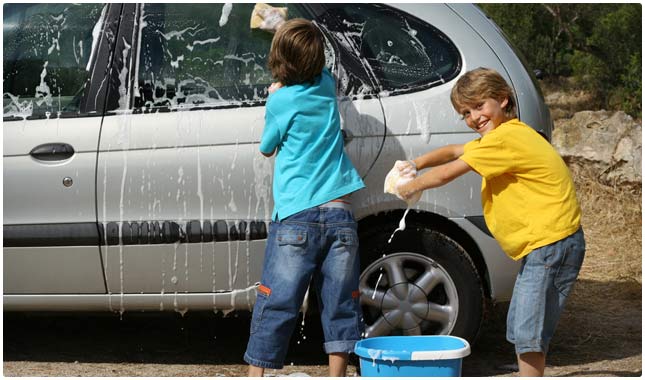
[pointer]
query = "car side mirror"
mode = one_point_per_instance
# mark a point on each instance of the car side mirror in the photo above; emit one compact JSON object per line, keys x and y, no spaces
{"x":538,"y":74}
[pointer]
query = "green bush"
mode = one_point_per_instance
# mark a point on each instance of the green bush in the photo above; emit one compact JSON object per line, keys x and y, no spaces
{"x":598,"y":44}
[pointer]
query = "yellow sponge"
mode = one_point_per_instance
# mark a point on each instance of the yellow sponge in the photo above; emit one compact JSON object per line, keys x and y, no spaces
{"x":261,"y":9}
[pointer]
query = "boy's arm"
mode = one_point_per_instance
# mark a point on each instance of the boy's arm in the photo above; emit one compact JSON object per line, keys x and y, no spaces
{"x":439,"y":156}
{"x":435,"y":177}
{"x":271,"y":136}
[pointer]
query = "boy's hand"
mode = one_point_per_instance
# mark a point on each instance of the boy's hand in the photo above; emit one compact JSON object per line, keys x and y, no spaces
{"x":274,"y":87}
{"x":272,"y":19}
{"x":400,"y":169}
{"x":408,"y":197}
{"x":406,"y":168}
{"x":402,"y":173}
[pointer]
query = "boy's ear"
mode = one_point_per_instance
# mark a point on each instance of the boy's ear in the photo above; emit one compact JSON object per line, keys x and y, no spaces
{"x":504,"y":102}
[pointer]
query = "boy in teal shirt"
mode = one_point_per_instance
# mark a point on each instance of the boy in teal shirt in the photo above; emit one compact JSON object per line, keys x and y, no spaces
{"x":313,"y":236}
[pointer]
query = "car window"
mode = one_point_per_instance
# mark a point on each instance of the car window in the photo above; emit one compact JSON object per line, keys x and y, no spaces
{"x":349,"y":70}
{"x":202,"y":55}
{"x":46,"y":50}
{"x":404,"y":52}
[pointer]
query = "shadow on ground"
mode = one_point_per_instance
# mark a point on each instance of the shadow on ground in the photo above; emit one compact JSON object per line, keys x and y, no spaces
{"x":160,"y":338}
{"x":590,"y":331}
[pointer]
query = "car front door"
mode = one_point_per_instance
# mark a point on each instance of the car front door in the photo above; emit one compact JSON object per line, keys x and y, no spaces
{"x":184,"y":197}
{"x":52,"y":56}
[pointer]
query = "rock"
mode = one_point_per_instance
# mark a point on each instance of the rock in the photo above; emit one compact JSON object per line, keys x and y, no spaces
{"x":565,"y":104}
{"x":611,"y":142}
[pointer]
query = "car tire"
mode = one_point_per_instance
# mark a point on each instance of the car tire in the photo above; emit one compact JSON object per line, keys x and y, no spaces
{"x":421,"y":283}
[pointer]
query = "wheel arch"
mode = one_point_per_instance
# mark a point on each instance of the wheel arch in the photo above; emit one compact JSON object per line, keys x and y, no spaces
{"x":438,"y":223}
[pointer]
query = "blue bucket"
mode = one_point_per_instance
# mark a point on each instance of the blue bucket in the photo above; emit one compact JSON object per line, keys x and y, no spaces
{"x":407,"y":356}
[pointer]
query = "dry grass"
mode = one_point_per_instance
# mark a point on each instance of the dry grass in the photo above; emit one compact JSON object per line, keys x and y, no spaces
{"x":612,"y":220}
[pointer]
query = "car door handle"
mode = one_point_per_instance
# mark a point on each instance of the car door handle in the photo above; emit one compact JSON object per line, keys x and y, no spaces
{"x":52,"y":152}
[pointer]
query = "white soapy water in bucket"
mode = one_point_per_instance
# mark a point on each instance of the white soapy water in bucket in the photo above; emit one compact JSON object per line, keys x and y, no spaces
{"x":392,"y":359}
{"x":374,"y":354}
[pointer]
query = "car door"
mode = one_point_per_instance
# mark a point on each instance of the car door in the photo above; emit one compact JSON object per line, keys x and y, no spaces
{"x":54,"y":58}
{"x":417,"y":52}
{"x":184,"y":197}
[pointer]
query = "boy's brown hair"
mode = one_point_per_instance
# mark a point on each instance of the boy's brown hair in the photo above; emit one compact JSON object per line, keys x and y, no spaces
{"x":479,"y":84}
{"x":297,"y":52}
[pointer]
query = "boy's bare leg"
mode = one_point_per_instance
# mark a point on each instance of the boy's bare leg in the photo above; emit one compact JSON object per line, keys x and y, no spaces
{"x":255,"y":371}
{"x":338,"y":364}
{"x":531,"y":364}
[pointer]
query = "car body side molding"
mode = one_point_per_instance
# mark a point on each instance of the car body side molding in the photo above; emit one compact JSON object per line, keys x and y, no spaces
{"x":54,"y":234}
{"x":131,"y":233}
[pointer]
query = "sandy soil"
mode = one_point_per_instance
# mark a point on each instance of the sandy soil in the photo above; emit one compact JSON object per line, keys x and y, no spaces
{"x":206,"y":345}
{"x":600,"y":333}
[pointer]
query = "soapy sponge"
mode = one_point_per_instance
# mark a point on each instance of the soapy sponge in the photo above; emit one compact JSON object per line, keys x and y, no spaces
{"x":266,"y":17}
{"x":401,"y":172}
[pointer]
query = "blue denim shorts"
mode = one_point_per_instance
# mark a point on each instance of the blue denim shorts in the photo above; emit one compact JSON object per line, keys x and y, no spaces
{"x":546,"y":278}
{"x":318,"y":246}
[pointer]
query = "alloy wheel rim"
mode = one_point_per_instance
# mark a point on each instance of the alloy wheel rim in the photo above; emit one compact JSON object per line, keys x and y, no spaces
{"x":407,"y":293}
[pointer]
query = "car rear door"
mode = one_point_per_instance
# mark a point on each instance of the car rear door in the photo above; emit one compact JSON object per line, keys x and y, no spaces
{"x":416,"y":52}
{"x":54,"y":59}
{"x":417,"y":56}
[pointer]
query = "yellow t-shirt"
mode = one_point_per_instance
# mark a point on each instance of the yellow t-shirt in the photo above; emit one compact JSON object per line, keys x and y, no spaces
{"x":528,"y":196}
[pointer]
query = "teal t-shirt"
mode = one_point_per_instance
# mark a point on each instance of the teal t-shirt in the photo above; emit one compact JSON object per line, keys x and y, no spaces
{"x":311,"y":166}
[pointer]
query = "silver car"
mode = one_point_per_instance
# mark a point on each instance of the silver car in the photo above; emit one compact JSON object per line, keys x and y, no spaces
{"x":132,"y":175}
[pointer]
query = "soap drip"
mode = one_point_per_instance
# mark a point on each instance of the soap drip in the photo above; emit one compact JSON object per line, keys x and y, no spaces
{"x":401,"y":225}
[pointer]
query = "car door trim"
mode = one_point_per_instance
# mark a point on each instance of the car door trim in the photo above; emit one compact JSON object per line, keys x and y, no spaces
{"x":168,"y":232}
{"x":52,"y":234}
{"x":131,"y":233}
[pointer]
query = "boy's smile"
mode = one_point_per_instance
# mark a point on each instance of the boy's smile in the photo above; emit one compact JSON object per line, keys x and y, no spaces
{"x":485,"y":115}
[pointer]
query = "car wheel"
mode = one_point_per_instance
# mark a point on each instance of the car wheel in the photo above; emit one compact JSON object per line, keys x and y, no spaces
{"x":422,"y":283}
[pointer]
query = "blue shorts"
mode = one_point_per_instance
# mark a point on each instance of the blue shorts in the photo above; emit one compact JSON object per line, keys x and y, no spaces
{"x":546,"y":277}
{"x":317,"y":245}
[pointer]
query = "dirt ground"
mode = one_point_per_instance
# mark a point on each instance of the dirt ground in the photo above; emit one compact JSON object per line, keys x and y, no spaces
{"x":600,"y":333}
